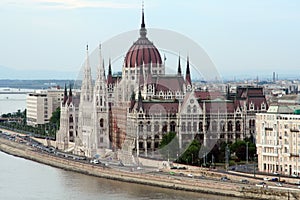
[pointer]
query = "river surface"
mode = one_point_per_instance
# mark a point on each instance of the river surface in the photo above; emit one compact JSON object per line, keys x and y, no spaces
{"x":10,"y":103}
{"x":22,"y":179}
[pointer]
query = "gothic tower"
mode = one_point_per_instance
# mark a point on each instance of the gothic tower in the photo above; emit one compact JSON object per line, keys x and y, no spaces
{"x":100,"y":110}
{"x":83,"y":141}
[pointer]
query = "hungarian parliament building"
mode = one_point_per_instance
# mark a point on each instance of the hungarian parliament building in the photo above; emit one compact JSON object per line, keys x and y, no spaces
{"x":132,"y":112}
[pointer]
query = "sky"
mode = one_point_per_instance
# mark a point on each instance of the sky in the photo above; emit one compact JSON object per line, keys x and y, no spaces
{"x":243,"y":38}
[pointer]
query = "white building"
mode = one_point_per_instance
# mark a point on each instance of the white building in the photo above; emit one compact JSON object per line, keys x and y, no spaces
{"x":278,"y":140}
{"x":41,"y":104}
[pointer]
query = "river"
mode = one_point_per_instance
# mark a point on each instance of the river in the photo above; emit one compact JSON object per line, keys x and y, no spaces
{"x":27,"y":180}
{"x":10,"y":103}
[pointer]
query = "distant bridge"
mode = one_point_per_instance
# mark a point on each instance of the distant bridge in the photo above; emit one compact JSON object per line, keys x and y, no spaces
{"x":16,"y":92}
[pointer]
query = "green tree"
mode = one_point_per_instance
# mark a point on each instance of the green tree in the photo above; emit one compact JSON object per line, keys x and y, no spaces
{"x":169,"y":145}
{"x":190,"y":155}
{"x":55,"y":118}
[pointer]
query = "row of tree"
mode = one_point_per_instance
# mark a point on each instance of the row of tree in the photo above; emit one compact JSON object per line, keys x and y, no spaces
{"x":47,"y":130}
{"x":169,"y":148}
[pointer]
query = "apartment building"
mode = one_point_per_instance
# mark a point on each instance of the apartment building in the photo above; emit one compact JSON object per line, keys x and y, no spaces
{"x":41,"y":104}
{"x":278,"y":140}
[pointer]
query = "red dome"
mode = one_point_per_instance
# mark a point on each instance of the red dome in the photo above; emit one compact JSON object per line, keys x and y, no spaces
{"x":142,"y":51}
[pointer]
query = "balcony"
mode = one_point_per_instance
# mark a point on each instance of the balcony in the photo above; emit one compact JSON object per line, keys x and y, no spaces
{"x":269,"y":154}
{"x":268,"y":129}
{"x":294,"y":155}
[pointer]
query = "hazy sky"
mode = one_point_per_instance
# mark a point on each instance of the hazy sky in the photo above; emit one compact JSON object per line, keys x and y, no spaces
{"x":241,"y":37}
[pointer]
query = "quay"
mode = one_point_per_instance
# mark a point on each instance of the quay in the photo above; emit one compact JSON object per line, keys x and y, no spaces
{"x":171,"y":182}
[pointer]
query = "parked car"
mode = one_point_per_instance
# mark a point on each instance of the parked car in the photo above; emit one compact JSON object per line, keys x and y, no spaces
{"x":224,"y":178}
{"x":95,"y":161}
{"x":245,"y":181}
{"x":279,"y":184}
{"x":190,"y":175}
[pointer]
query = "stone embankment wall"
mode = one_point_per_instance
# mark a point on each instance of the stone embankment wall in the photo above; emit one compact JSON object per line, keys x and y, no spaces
{"x":203,"y":186}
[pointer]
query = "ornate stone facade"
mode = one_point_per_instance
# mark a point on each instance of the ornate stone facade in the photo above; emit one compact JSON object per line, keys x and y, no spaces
{"x":134,"y":111}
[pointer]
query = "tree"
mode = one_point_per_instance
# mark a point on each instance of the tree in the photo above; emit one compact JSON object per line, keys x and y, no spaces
{"x":169,"y":145}
{"x":240,"y":148}
{"x":55,"y":118}
{"x":190,"y":155}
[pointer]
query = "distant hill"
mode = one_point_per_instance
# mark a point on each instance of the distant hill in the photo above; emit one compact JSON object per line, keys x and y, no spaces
{"x":10,"y":73}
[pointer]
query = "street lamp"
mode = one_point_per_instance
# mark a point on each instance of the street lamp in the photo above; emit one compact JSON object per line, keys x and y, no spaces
{"x":247,"y":156}
{"x":227,"y":153}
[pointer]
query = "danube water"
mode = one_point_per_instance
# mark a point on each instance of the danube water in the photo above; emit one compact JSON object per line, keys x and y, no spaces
{"x":10,"y":103}
{"x":22,"y":179}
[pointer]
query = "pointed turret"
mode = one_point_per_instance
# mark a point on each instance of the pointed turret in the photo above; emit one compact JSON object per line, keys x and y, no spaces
{"x":70,"y":95}
{"x":187,"y":74}
{"x":86,"y":87}
{"x":109,"y":76}
{"x":140,"y":101}
{"x":143,"y":31}
{"x":179,"y":66}
{"x":65,"y":95}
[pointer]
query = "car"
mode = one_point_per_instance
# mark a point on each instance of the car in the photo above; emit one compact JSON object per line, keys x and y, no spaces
{"x":261,"y":184}
{"x":224,"y":178}
{"x":245,"y":181}
{"x":295,"y":175}
{"x":276,"y":173}
{"x":95,"y":161}
{"x":279,"y":184}
{"x":190,"y":175}
{"x":172,"y":173}
{"x":266,"y":179}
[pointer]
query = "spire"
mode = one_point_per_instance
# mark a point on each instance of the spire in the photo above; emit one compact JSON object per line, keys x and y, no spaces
{"x":143,"y":31}
{"x":140,"y":101}
{"x":86,"y":86}
{"x":65,"y":95}
{"x":101,"y":69}
{"x":187,"y":74}
{"x":179,"y":66}
{"x":109,"y":68}
{"x":143,"y":18}
{"x":109,"y":76}
{"x":70,"y":95}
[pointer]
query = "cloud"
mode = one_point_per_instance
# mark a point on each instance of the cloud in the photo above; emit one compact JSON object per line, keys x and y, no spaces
{"x":70,"y":4}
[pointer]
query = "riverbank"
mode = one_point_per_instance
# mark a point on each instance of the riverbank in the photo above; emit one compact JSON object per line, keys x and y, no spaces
{"x":171,"y":182}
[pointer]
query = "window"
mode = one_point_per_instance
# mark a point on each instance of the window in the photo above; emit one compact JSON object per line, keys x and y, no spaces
{"x":165,"y":127}
{"x":101,"y":123}
{"x":183,"y":128}
{"x":214,"y":126}
{"x":229,"y":126}
{"x":222,"y":126}
{"x":141,"y":127}
{"x":149,"y":126}
{"x":238,"y":126}
{"x":200,"y":127}
{"x":194,"y":109}
{"x":172,"y":126}
{"x":194,"y":126}
{"x":189,"y":109}
{"x":189,"y":126}
{"x":156,"y":127}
